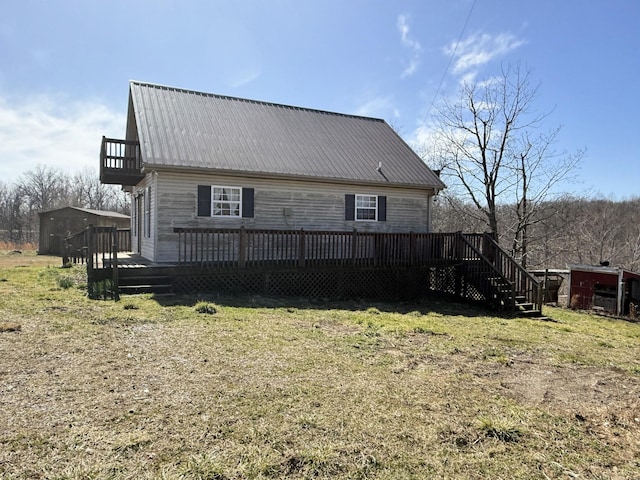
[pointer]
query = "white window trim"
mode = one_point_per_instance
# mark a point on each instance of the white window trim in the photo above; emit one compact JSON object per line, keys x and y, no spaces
{"x":147,"y":212}
{"x":213,"y":201}
{"x":375,"y":209}
{"x":134,"y":216}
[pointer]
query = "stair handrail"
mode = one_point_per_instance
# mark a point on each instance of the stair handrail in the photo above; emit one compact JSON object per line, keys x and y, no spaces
{"x":495,"y":269}
{"x":530,"y":277}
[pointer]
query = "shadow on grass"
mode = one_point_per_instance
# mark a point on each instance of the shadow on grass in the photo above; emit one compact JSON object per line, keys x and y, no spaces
{"x":441,"y":304}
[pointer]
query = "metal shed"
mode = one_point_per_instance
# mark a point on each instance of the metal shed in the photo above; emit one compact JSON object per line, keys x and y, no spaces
{"x":55,"y":225}
{"x":606,"y":289}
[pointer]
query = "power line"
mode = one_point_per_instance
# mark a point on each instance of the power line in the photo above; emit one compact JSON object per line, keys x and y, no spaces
{"x":453,"y":54}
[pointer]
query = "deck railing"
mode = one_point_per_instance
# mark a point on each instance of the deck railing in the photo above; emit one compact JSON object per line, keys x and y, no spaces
{"x":98,"y":247}
{"x":524,"y":283}
{"x":483,"y":262}
{"x":252,"y":248}
{"x":479,"y":262}
{"x":120,"y":161}
{"x":96,"y":244}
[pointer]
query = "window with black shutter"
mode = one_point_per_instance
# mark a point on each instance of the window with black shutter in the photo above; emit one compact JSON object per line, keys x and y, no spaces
{"x":225,"y":201}
{"x":365,"y":208}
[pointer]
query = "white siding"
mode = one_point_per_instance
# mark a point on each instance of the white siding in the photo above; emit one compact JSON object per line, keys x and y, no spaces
{"x":148,"y":245}
{"x":278,"y":204}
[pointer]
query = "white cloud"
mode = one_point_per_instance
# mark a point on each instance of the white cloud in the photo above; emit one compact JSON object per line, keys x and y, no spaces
{"x":479,"y":49}
{"x":412,"y":44}
{"x":378,"y":107}
{"x":62,"y":134}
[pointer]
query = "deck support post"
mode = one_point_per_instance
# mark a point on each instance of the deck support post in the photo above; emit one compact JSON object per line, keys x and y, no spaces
{"x":114,"y":265}
{"x":89,"y":250}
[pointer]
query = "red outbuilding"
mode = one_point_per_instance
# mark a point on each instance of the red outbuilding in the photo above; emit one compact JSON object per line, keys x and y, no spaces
{"x":603,"y":288}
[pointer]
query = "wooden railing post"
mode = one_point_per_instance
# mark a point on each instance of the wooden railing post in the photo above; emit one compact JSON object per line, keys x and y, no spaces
{"x":488,"y":248}
{"x":65,"y":252}
{"x":114,"y":265}
{"x":459,"y":245}
{"x":413,"y":261}
{"x":354,"y":240}
{"x":89,"y":255}
{"x":302,"y":249}
{"x":179,"y":247}
{"x":242,"y":247}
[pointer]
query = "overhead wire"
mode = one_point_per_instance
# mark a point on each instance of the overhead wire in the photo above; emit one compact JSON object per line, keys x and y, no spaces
{"x":453,"y":54}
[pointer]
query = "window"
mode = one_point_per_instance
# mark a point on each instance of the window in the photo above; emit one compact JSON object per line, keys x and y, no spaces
{"x":226,"y":201}
{"x":230,"y":202}
{"x":365,"y":208}
{"x":147,"y":212}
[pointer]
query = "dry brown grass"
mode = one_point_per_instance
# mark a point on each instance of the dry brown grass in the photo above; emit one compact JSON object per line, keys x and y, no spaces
{"x":9,"y":327}
{"x":14,"y":247}
{"x":267,"y":389}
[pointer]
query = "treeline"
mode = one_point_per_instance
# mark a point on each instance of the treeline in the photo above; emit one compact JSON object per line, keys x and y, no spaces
{"x":47,"y":188}
{"x":570,"y":230}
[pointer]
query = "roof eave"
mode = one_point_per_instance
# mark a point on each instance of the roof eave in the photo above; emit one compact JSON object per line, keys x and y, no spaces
{"x":148,"y":168}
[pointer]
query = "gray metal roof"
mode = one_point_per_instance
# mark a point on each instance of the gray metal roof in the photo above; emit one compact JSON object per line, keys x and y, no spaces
{"x":188,"y":129}
{"x":99,"y":213}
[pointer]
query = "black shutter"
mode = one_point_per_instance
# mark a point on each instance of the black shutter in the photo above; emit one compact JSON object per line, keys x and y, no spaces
{"x":247,"y":202}
{"x":204,"y":200}
{"x":382,"y":208}
{"x":349,"y":207}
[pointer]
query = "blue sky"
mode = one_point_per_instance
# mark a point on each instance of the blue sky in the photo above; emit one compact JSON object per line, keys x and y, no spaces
{"x":65,"y":67}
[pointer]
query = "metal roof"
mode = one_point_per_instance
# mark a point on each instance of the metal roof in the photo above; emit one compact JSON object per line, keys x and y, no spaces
{"x":188,"y":129}
{"x":99,"y":213}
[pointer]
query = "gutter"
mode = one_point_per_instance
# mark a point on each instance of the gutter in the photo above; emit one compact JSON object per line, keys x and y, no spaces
{"x":148,"y":167}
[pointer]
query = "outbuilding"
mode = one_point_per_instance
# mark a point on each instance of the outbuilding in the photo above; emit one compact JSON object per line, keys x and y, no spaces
{"x":607,"y":289}
{"x":57,"y":224}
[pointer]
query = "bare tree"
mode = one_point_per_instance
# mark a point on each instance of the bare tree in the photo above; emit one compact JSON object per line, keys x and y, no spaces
{"x":628,"y":217}
{"x":537,"y":170}
{"x":13,"y":214}
{"x":44,"y":186}
{"x":490,"y":154}
{"x":88,"y":192}
{"x":597,"y":235}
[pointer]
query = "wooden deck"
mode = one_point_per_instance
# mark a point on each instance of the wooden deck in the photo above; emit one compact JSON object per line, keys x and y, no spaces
{"x":314,"y":263}
{"x":130,"y":260}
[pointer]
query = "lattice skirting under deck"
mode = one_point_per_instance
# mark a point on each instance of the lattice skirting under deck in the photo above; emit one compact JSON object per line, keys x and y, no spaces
{"x":405,"y":284}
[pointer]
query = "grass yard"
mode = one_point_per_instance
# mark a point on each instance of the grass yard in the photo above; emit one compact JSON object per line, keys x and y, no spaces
{"x":203,"y":387}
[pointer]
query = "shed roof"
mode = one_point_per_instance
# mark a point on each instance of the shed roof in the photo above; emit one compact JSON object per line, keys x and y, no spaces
{"x":604,"y":270}
{"x":187,"y":129}
{"x":99,"y":213}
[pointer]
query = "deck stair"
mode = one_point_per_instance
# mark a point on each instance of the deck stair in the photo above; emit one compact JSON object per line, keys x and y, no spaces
{"x":134,"y":281}
{"x":503,"y":283}
{"x":528,"y":309}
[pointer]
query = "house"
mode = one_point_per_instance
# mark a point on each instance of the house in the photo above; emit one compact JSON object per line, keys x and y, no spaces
{"x":230,"y":194}
{"x":57,"y":224}
{"x":603,"y":288}
{"x":200,"y":160}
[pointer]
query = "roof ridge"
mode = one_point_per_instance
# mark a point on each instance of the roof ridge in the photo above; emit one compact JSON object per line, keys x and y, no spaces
{"x":250,"y":100}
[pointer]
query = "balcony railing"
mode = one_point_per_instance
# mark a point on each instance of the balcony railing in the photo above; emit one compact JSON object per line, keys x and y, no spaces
{"x":120,"y":162}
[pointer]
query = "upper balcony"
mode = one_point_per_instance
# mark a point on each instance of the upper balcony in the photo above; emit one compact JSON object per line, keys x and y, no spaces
{"x":120,"y":162}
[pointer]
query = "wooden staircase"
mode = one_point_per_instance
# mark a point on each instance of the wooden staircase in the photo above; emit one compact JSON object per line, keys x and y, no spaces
{"x":527,"y":309}
{"x":142,"y":280}
{"x":502,"y":282}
